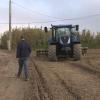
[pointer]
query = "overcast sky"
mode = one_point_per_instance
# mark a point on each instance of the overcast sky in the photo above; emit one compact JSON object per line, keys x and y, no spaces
{"x":40,"y":11}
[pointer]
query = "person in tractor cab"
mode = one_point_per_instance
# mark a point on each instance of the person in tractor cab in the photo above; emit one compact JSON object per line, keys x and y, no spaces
{"x":23,"y":53}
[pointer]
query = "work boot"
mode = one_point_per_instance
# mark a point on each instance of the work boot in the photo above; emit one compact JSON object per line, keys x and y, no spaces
{"x":26,"y":79}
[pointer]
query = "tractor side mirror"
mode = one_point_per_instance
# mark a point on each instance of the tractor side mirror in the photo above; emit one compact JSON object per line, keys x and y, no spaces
{"x":77,"y":27}
{"x":45,"y":29}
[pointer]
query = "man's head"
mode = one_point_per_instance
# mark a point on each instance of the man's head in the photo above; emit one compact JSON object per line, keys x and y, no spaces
{"x":22,"y":37}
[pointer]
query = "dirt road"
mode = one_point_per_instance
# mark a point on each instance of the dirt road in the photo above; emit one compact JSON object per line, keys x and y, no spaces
{"x":63,"y":80}
{"x":11,"y":88}
{"x":66,"y":80}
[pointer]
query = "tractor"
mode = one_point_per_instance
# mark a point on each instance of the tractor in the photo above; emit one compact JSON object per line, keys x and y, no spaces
{"x":64,"y":42}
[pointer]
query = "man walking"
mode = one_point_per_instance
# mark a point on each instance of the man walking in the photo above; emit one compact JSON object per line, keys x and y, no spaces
{"x":23,"y":52}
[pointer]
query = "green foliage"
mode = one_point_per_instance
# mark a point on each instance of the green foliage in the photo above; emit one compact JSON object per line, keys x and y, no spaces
{"x":36,"y":37}
{"x":97,"y":40}
{"x":88,"y":39}
{"x":4,"y":39}
{"x":39,"y":39}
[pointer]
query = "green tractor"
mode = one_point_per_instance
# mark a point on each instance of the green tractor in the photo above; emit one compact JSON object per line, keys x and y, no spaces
{"x":64,"y":42}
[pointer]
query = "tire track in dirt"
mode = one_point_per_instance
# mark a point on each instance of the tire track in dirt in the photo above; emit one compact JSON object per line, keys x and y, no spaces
{"x":78,"y":89}
{"x":96,"y":65}
{"x":76,"y":92}
{"x":43,"y":91}
{"x":68,"y":88}
{"x":89,"y":69}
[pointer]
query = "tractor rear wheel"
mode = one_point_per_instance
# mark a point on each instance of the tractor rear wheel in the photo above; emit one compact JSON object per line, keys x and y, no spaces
{"x":77,"y":51}
{"x":52,"y":53}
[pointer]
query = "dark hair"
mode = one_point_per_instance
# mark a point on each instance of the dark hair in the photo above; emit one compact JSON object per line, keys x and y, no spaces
{"x":22,"y":37}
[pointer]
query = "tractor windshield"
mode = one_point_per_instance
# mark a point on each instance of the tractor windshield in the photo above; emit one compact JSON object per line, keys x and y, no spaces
{"x":60,"y":32}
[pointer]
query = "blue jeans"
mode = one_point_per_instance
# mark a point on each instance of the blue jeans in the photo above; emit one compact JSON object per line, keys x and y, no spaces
{"x":23,"y":64}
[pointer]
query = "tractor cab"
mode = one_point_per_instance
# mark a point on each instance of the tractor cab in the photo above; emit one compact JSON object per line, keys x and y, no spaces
{"x":65,"y":34}
{"x":65,"y":42}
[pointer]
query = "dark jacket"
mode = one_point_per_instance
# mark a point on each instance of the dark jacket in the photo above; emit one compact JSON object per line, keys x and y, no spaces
{"x":23,"y":49}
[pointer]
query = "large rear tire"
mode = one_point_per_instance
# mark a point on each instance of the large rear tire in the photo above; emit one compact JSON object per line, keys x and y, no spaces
{"x":77,"y":51}
{"x":52,"y":53}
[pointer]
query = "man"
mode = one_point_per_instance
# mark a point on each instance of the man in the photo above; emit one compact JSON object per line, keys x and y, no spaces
{"x":23,"y":52}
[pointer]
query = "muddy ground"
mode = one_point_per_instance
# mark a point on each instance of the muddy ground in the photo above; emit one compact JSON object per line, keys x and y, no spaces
{"x":62,"y":80}
{"x":11,"y":88}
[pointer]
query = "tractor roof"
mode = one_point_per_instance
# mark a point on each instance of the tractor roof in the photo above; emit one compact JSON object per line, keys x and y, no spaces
{"x":63,"y":26}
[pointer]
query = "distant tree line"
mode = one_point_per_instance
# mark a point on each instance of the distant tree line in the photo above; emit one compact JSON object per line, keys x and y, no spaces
{"x":36,"y":37}
{"x":89,"y":39}
{"x":39,"y":39}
